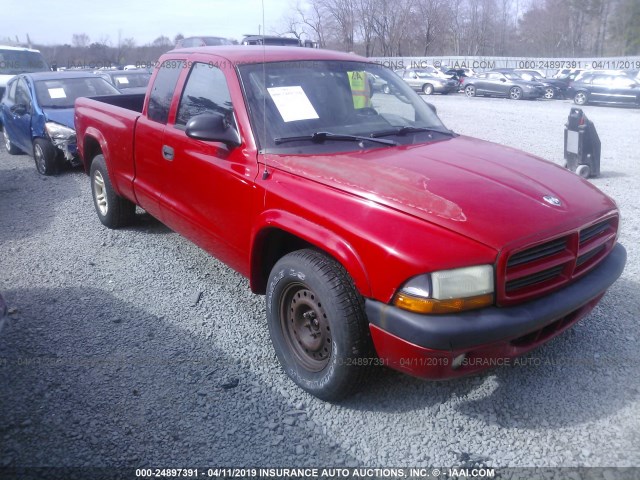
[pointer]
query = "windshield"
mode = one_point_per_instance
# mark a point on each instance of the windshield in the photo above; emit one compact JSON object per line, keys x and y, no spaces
{"x":13,"y":62}
{"x":512,"y":76}
{"x":130,"y":80}
{"x":62,"y":92}
{"x":423,"y":74}
{"x":303,"y":98}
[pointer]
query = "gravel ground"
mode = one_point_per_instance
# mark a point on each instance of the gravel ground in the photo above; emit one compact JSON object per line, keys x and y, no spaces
{"x":135,"y":348}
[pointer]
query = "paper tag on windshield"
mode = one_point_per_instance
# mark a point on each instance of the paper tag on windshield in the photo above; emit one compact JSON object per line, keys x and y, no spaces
{"x":57,"y":93}
{"x":122,"y":80}
{"x":292,"y":103}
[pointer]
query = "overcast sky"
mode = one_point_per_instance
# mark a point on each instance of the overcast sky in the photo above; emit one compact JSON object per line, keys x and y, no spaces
{"x":54,"y":22}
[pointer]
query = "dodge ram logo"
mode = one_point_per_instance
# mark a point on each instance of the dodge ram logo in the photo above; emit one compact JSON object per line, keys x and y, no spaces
{"x":552,"y":200}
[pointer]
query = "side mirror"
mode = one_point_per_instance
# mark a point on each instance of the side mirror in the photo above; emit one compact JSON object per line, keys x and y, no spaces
{"x":432,"y":107}
{"x":503,"y":80}
{"x":213,"y":127}
{"x":19,"y":109}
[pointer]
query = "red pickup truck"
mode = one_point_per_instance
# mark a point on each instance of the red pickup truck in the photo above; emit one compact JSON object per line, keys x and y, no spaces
{"x":378,"y":236}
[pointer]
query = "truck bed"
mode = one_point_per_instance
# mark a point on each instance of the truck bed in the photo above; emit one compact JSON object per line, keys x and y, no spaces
{"x":111,"y":120}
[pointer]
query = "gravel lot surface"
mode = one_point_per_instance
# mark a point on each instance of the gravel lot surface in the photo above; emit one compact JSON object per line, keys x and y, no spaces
{"x":135,"y":348}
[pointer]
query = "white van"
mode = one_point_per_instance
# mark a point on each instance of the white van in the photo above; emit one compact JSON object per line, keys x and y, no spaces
{"x":15,"y":60}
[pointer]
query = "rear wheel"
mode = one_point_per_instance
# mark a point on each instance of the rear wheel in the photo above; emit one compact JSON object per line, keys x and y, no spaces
{"x":580,"y":98}
{"x":549,"y":93}
{"x":10,"y":147}
{"x":470,"y":91}
{"x":317,"y":324}
{"x":386,"y":89}
{"x":515,"y":93}
{"x":113,"y":211}
{"x":427,"y":89}
{"x":45,"y":156}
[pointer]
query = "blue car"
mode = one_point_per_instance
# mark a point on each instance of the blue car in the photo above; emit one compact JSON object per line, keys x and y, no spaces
{"x":36,"y":114}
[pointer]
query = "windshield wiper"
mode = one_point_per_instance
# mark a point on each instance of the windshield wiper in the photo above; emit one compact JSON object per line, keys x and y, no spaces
{"x":320,"y":137}
{"x":400,"y":131}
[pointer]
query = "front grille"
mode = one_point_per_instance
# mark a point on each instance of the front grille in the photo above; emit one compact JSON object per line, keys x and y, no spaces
{"x":535,"y":278}
{"x":540,"y":251}
{"x":538,"y":269}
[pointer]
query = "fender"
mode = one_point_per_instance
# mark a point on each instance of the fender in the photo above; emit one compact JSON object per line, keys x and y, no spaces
{"x":104,"y":147}
{"x":312,"y":233}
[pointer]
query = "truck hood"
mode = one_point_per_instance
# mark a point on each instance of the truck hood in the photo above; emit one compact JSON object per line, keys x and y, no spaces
{"x":63,"y":116}
{"x":485,"y":191}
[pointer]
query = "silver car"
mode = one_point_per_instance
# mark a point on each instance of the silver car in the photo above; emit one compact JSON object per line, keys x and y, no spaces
{"x":428,"y":83}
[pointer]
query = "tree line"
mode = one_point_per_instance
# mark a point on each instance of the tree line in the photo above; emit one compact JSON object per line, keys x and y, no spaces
{"x":538,"y":28}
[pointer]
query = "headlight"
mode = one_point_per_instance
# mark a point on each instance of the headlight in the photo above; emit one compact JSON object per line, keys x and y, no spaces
{"x":448,"y":291}
{"x":59,"y":132}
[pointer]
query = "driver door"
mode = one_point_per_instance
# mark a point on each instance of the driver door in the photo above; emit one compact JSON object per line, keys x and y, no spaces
{"x":209,"y":192}
{"x":18,"y":124}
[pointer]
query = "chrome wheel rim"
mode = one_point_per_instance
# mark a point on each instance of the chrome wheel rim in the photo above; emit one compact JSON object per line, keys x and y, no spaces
{"x":548,"y":93}
{"x":515,"y":94}
{"x":580,"y":98}
{"x":38,"y":155}
{"x":305,"y":327}
{"x":470,"y":91}
{"x":100,"y":193}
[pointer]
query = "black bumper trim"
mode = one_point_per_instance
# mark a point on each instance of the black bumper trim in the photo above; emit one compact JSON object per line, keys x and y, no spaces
{"x":494,"y":324}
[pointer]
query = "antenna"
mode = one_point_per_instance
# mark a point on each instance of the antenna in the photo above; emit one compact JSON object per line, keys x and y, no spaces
{"x":265,"y":173}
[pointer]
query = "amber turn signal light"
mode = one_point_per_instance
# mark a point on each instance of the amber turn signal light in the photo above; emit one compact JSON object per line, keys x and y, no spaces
{"x":430,"y":305}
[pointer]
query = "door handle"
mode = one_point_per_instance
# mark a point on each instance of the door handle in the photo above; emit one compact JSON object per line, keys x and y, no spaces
{"x":167,"y":153}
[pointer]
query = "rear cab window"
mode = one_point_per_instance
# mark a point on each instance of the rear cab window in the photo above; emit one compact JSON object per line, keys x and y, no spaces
{"x":162,"y":91}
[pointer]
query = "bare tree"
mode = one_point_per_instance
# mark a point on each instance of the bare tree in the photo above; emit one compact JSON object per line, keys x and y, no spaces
{"x":80,"y":40}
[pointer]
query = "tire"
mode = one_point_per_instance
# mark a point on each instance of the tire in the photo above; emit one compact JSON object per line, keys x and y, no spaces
{"x":45,"y":156}
{"x":470,"y":91}
{"x":317,"y":324}
{"x":515,"y":93}
{"x":386,"y":89}
{"x":113,"y":210}
{"x":549,"y":93}
{"x":10,"y":147}
{"x":427,"y":89}
{"x":580,"y":98}
{"x":584,"y":171}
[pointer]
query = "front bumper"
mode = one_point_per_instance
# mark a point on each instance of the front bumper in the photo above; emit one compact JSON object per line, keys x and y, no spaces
{"x":425,"y":345}
{"x":535,"y":93}
{"x":445,"y":88}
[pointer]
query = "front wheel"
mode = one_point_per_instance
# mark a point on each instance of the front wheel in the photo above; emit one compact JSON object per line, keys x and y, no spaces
{"x":470,"y":91}
{"x":427,"y":89}
{"x":45,"y":156}
{"x":10,"y":147}
{"x":549,"y":93}
{"x":317,"y":324}
{"x":113,"y":211}
{"x":515,"y":93}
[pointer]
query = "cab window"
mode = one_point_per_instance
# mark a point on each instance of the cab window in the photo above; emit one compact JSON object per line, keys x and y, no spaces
{"x":205,"y":91}
{"x":162,"y":91}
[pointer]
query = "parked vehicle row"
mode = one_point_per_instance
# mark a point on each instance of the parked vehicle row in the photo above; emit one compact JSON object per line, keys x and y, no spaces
{"x":581,"y":86}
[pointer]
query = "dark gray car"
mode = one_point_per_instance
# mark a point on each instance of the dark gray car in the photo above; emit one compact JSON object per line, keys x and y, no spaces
{"x":423,"y":81}
{"x":605,"y":88}
{"x":127,"y":81}
{"x":499,"y":84}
